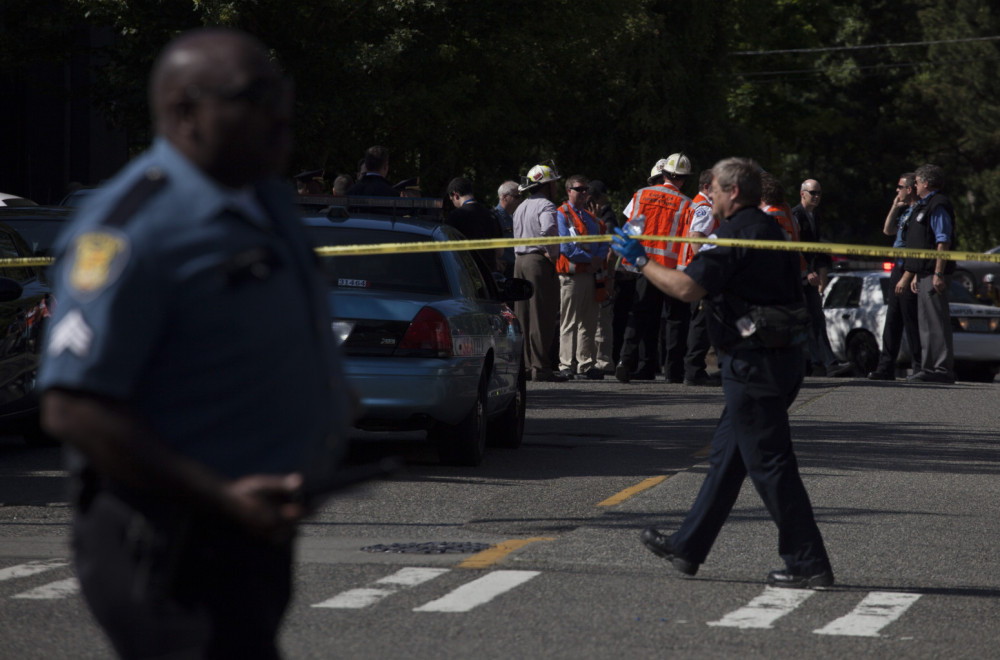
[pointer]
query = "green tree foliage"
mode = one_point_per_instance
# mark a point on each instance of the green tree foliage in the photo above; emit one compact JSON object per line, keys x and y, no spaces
{"x":848,"y":93}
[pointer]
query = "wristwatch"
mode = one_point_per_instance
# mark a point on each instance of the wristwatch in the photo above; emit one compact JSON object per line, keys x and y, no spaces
{"x":939,"y":274}
{"x":641,"y":261}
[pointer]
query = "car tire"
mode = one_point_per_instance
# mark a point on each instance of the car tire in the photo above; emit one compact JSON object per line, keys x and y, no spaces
{"x":862,"y":353}
{"x":966,"y":279}
{"x":465,"y":442}
{"x":508,"y":428}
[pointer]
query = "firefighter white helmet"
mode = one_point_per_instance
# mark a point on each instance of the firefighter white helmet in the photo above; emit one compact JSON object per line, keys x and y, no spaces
{"x":658,"y":168}
{"x":678,"y":165}
{"x":538,"y":175}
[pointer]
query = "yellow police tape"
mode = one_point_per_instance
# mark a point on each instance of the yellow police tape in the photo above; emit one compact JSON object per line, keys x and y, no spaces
{"x":787,"y":246}
{"x":485,"y":244}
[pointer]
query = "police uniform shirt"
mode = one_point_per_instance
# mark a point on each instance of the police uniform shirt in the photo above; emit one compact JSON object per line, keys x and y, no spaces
{"x":203,"y":311}
{"x":758,"y":277}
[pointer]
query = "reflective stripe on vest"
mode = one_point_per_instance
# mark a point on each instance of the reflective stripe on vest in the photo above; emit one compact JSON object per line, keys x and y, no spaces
{"x":688,"y":250}
{"x":666,"y":212}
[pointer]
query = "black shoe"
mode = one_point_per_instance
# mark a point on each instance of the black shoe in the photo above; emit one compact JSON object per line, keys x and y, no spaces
{"x":792,"y":581}
{"x":702,"y":379}
{"x":641,"y":375}
{"x":594,"y":374}
{"x":928,"y":377}
{"x":838,"y":369}
{"x":567,"y":374}
{"x":622,"y":372}
{"x":880,"y":375}
{"x":549,"y":377}
{"x":660,"y":545}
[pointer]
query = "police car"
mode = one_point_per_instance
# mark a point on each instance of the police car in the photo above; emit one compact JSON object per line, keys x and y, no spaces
{"x":855,"y":309}
{"x":429,"y":338}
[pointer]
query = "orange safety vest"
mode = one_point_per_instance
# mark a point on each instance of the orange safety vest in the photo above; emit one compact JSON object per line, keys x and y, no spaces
{"x":783,"y":214}
{"x":666,"y":211}
{"x":564,"y":265}
{"x":688,"y":250}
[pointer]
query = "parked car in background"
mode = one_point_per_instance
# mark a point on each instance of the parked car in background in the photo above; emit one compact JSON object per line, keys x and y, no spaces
{"x":37,"y":225}
{"x":969,"y":274}
{"x":77,"y":197}
{"x":855,"y":309}
{"x":14,"y":200}
{"x":25,"y":303}
{"x":429,"y":338}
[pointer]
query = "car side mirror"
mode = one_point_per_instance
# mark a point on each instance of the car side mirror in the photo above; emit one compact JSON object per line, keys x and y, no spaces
{"x":10,"y":289}
{"x":513,"y":289}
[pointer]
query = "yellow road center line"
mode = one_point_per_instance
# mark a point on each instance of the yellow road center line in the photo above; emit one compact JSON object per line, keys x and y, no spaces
{"x":618,"y":498}
{"x":488,"y":557}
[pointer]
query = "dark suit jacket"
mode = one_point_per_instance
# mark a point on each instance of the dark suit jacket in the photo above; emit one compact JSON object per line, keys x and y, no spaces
{"x":372,"y":185}
{"x":809,"y":232}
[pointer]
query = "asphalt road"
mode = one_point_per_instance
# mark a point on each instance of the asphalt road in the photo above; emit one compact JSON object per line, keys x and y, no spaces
{"x":903,"y":479}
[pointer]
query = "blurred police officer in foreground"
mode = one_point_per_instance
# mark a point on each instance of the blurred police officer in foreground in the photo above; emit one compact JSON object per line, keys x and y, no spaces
{"x":761,"y":375}
{"x":189,"y":365}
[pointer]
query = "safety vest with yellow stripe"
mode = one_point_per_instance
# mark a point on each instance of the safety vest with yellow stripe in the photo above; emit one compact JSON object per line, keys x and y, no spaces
{"x":666,"y":211}
{"x":688,"y":250}
{"x":564,"y":265}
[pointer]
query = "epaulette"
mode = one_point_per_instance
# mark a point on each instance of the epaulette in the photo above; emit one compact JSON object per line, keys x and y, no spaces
{"x":151,"y":182}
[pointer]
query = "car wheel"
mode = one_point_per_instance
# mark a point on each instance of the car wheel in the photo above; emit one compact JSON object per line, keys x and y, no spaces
{"x":966,"y":279}
{"x":464,"y":443}
{"x":508,"y":429}
{"x":862,"y":353}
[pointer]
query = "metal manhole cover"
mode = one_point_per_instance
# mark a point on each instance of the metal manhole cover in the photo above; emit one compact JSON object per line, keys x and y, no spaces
{"x":431,"y":548}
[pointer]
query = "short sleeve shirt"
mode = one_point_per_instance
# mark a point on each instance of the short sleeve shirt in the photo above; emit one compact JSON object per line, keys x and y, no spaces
{"x":204,"y":312}
{"x":758,"y":277}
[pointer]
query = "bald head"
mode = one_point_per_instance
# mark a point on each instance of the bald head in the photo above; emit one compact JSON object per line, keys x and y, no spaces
{"x":810,"y":193}
{"x":218,"y":98}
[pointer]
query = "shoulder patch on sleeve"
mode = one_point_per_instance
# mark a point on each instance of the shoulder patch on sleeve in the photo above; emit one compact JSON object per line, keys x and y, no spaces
{"x":97,"y":259}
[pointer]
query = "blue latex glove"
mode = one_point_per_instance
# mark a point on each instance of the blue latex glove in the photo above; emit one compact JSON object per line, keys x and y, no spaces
{"x":626,"y":246}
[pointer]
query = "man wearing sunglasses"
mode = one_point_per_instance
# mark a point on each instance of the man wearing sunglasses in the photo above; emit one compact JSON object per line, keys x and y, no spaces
{"x":901,"y":309}
{"x":581,"y":271}
{"x":823,"y":361}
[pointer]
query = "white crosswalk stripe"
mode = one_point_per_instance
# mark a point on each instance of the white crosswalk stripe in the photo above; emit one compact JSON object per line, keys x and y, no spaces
{"x":876,"y":611}
{"x":478,"y":592}
{"x":52,"y":591}
{"x":31,"y":568}
{"x":356,"y":599}
{"x":765,"y":609}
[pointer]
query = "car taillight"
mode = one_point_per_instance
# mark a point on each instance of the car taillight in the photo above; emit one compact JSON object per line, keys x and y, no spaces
{"x":887,"y":266}
{"x":428,"y":335}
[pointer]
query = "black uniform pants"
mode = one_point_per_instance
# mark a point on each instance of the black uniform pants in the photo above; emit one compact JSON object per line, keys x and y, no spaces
{"x":675,"y":337}
{"x":698,"y":342}
{"x":163,"y":586}
{"x":639,"y":346}
{"x":624,"y":297}
{"x":754,"y":438}
{"x":900,"y":316}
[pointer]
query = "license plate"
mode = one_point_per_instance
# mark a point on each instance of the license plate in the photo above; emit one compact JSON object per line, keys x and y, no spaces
{"x":978,"y":325}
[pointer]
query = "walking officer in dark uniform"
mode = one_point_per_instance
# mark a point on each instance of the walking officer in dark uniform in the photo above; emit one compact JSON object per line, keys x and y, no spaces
{"x":189,"y":366}
{"x":758,"y":322}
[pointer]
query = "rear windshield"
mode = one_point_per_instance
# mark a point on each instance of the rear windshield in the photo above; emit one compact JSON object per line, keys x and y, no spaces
{"x":420,"y":272}
{"x":39,"y":234}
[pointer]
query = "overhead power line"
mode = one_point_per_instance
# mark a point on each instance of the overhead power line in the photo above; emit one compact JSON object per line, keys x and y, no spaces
{"x":865,"y":47}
